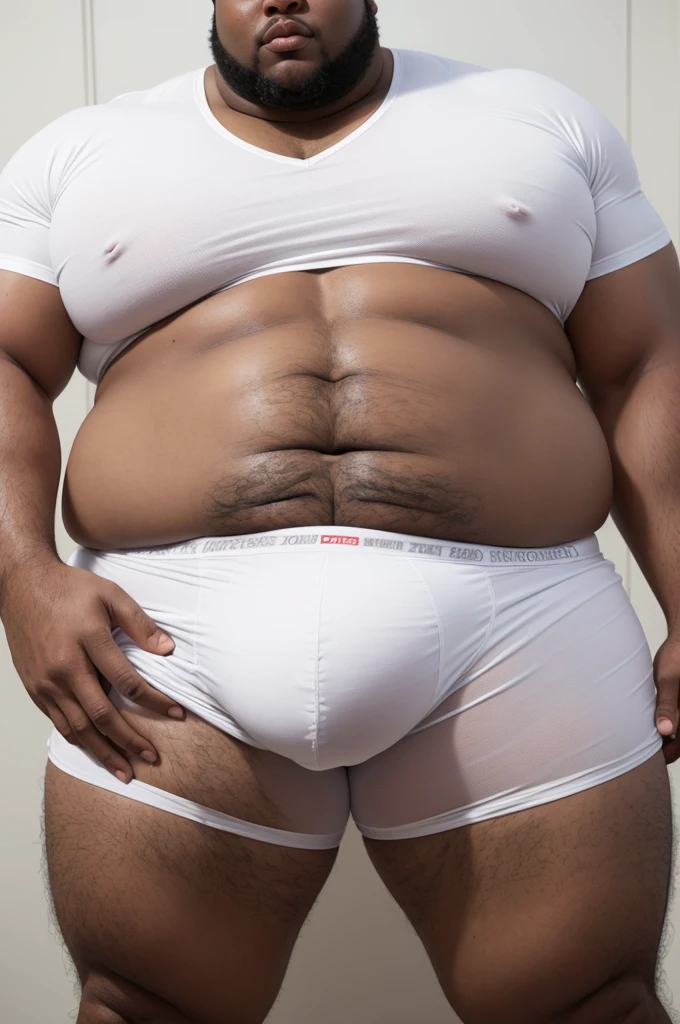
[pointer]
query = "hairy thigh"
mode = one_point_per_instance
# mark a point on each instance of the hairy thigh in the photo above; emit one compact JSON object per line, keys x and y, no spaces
{"x":525,"y":915}
{"x":200,"y":917}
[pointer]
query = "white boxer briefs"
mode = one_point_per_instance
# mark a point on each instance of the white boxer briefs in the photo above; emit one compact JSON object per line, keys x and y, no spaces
{"x":419,"y":684}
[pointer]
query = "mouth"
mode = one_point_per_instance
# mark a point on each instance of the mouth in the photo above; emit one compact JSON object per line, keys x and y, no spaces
{"x":286,"y":29}
{"x":286,"y":44}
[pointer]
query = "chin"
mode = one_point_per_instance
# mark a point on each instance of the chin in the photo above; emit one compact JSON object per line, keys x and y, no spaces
{"x":291,"y":61}
{"x":291,"y":72}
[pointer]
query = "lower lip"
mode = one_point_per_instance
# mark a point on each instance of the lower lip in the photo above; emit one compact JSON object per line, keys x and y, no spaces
{"x":282,"y":44}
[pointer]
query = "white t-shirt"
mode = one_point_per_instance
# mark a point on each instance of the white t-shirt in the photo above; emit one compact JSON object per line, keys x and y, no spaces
{"x":140,"y":207}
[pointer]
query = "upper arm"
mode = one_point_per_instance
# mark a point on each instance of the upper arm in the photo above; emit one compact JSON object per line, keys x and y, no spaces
{"x":35,"y":329}
{"x":628,"y":315}
{"x":36,"y":332}
{"x":627,"y":321}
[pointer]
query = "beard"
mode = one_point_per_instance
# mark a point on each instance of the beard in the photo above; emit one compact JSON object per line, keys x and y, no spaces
{"x":322,"y":86}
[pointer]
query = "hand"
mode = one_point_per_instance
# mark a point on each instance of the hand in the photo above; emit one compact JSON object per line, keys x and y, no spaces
{"x":667,"y":679}
{"x":59,"y":620}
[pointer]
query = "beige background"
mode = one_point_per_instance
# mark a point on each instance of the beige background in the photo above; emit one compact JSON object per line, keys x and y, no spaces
{"x":357,"y":958}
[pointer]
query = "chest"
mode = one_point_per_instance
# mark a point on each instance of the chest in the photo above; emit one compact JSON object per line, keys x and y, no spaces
{"x":471,"y":173}
{"x":151,"y":222}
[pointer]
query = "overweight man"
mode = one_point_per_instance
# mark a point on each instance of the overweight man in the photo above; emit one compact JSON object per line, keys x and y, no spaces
{"x":335,"y":511}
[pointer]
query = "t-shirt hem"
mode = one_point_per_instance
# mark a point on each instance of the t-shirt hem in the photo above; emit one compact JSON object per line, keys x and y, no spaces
{"x":28,"y":268}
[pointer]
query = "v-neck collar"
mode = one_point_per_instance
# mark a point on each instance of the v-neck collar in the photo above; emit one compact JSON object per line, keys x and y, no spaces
{"x":204,"y":107}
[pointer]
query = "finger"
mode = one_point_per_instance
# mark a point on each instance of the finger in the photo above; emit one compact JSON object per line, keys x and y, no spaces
{"x":667,"y":686}
{"x":71,"y":721}
{"x":60,"y":723}
{"x":132,"y":619}
{"x":107,"y":657}
{"x":107,"y":719}
{"x":671,"y":749}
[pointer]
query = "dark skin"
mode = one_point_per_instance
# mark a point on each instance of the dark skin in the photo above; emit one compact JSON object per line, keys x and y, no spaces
{"x":531,"y":899}
{"x":331,"y":28}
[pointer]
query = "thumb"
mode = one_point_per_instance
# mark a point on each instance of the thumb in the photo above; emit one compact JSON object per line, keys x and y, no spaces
{"x":667,"y":678}
{"x":133,"y":620}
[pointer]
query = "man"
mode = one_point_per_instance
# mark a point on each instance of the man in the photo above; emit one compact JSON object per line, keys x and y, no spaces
{"x":336,"y":299}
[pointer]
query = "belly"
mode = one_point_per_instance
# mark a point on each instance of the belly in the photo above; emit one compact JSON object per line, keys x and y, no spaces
{"x":392,"y":397}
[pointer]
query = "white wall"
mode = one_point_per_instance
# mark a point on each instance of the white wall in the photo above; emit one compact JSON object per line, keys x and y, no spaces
{"x":357,"y":958}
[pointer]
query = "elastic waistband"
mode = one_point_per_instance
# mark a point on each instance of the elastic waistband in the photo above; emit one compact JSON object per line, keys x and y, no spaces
{"x":377,"y":542}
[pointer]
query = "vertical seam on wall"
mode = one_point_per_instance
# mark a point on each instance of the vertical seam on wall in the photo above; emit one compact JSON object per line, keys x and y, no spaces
{"x":89,"y":57}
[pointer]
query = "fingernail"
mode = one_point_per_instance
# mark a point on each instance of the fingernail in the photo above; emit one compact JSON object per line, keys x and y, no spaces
{"x":122,"y":776}
{"x":149,"y":756}
{"x":176,"y":712}
{"x":665,"y":726}
{"x":164,"y":643}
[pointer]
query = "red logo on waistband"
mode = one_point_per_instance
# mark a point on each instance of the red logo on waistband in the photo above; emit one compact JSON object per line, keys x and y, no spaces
{"x":337,"y":539}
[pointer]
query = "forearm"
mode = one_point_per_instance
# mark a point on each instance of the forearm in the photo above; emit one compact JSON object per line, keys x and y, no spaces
{"x":30,"y":467}
{"x":642,"y":428}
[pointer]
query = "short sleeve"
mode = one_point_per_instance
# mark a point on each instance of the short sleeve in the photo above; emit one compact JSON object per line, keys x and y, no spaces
{"x":26,"y":209}
{"x":628,"y":226}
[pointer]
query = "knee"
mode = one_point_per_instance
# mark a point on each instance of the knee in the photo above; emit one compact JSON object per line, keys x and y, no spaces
{"x":627,"y":1000}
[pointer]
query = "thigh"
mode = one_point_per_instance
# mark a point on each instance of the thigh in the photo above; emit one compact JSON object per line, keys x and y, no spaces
{"x":203,"y":919}
{"x":525,"y":915}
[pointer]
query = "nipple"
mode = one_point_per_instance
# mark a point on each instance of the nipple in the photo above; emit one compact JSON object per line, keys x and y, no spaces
{"x":113,"y":250}
{"x":514,"y":209}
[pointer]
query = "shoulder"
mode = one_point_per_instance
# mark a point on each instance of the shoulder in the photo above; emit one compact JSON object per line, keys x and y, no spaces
{"x":79,"y":122}
{"x":72,"y":134}
{"x":42,"y":157}
{"x":64,"y":127}
{"x":554,"y":107}
{"x":164,"y":94}
{"x":533,"y":90}
{"x":54,"y":155}
{"x":421,"y":69}
{"x":519,"y":89}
